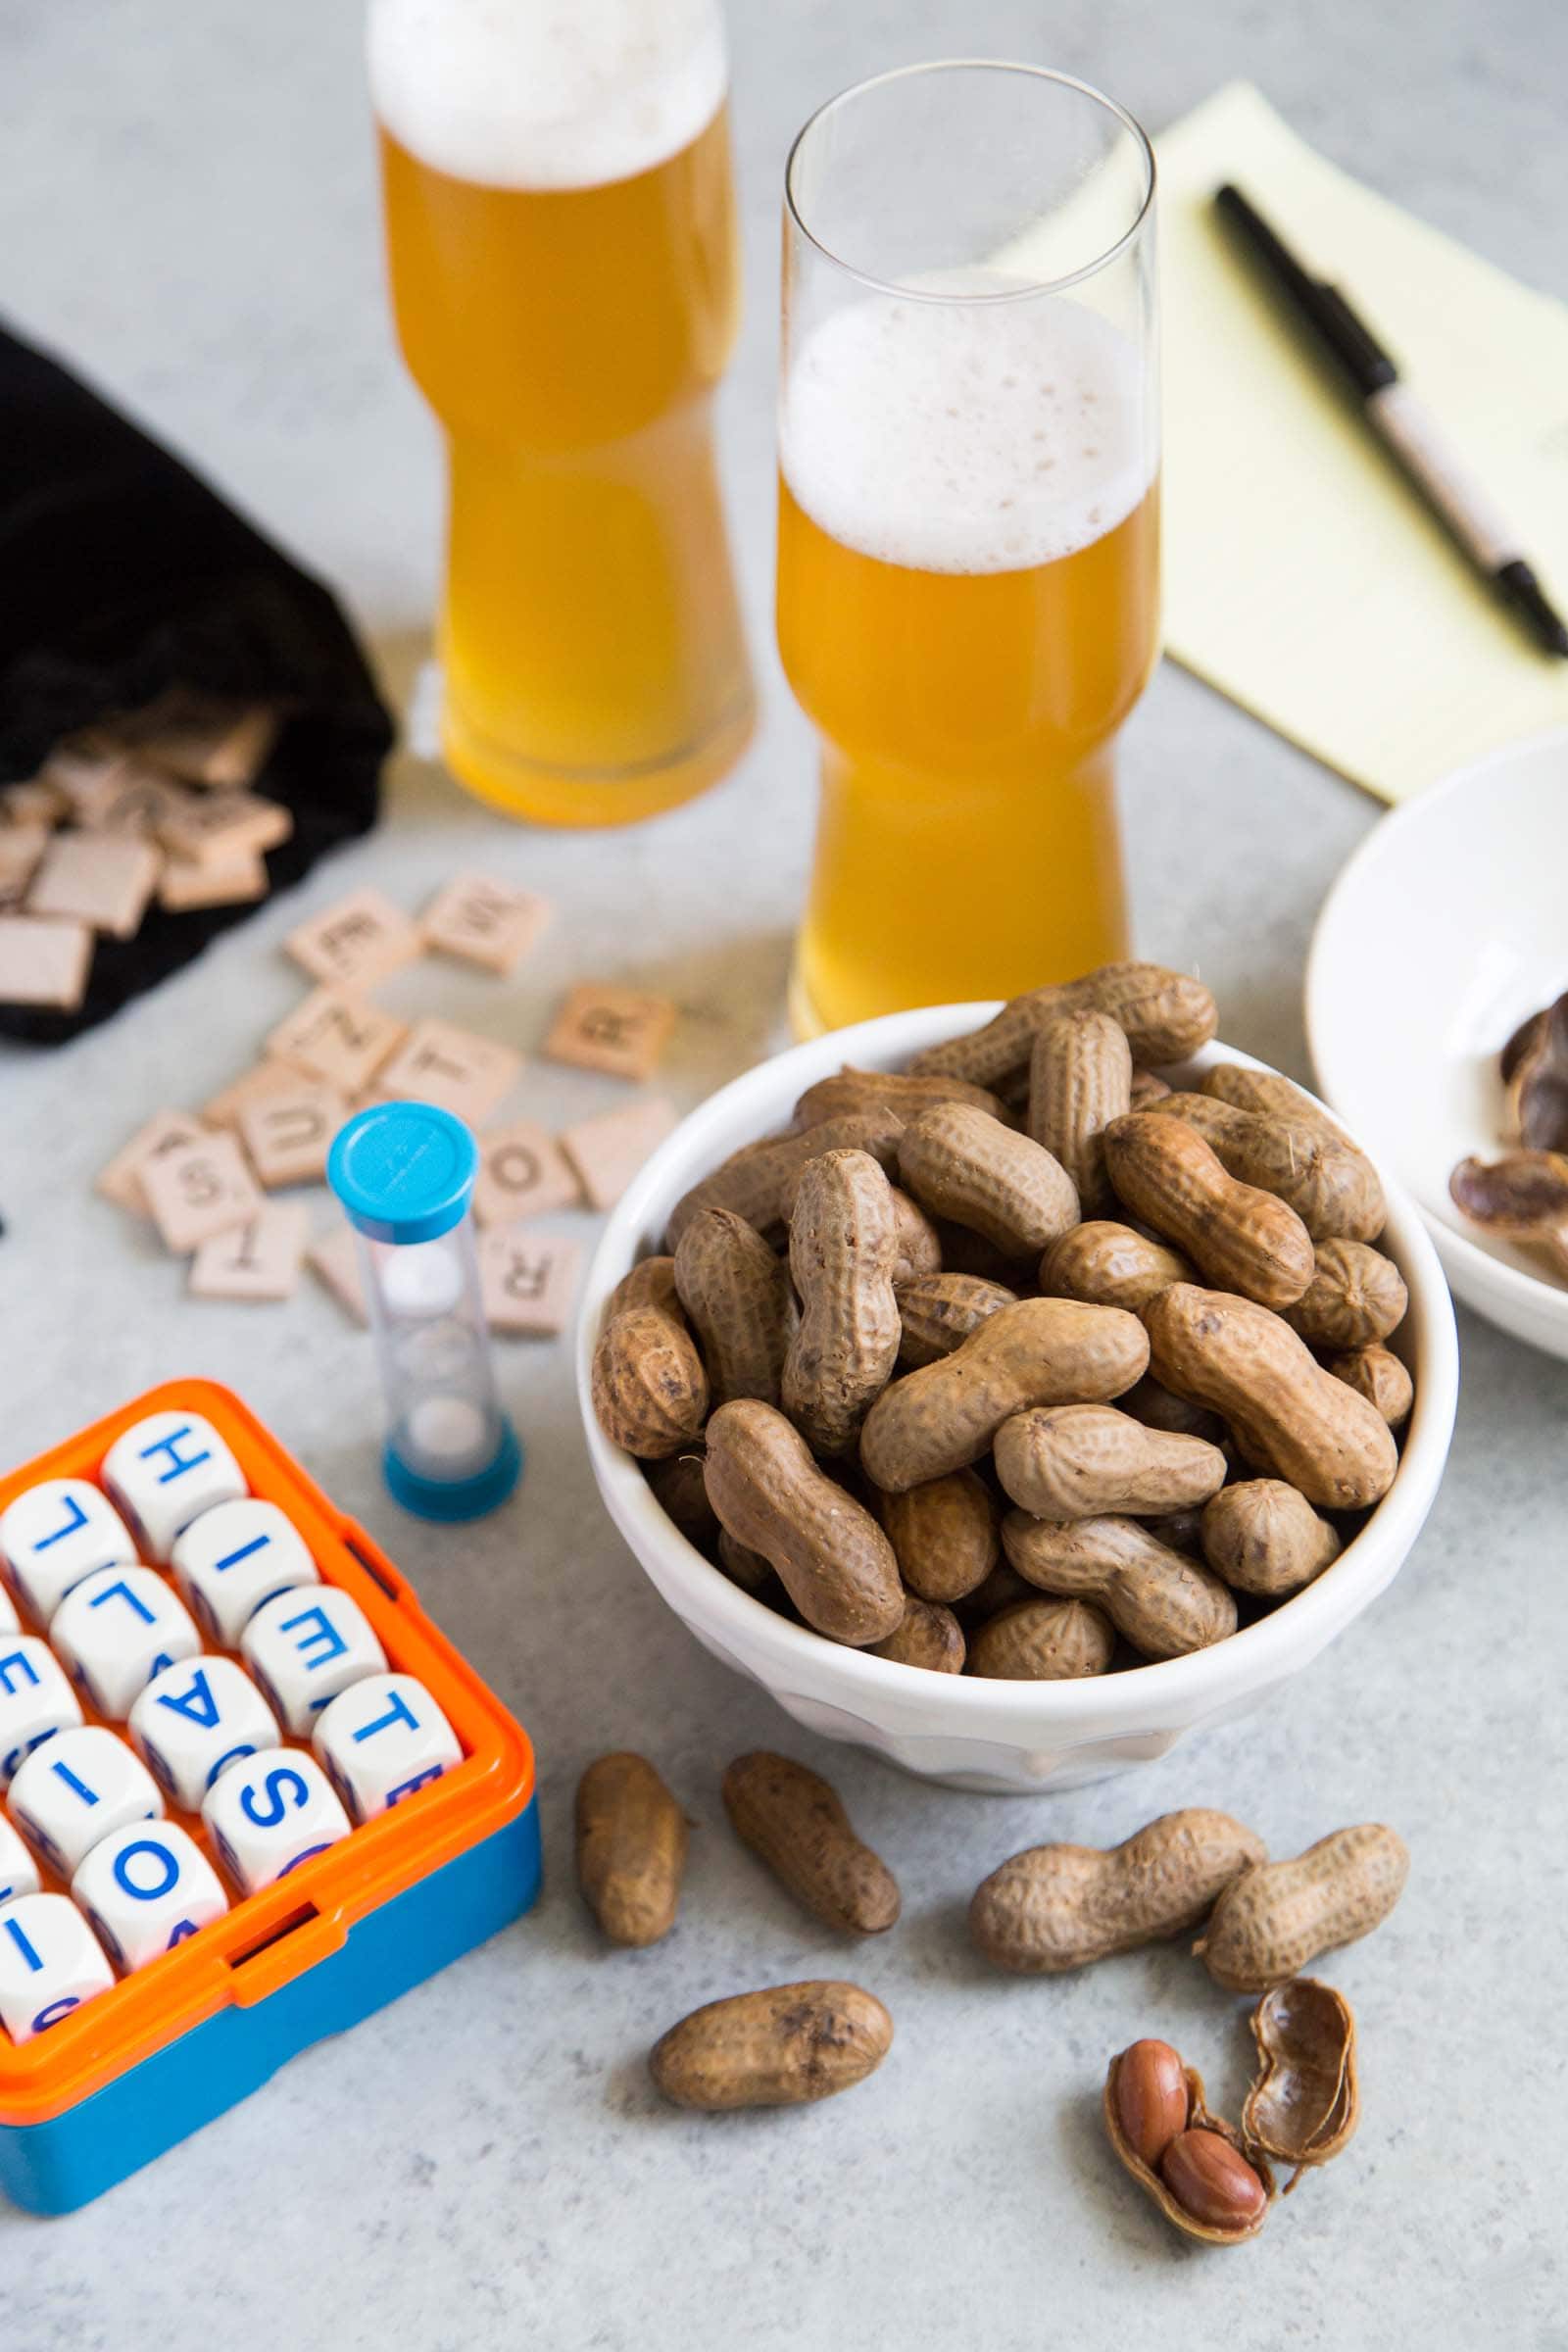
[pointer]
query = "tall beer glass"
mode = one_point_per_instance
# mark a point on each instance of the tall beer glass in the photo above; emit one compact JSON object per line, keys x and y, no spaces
{"x":561,"y":229}
{"x":968,"y":525}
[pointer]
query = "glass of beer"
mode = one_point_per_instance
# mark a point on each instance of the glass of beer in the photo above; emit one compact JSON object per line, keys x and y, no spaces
{"x":562,"y":235}
{"x":968,"y":525}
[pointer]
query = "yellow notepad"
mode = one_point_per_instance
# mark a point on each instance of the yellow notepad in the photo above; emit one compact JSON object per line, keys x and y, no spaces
{"x":1302,"y":577}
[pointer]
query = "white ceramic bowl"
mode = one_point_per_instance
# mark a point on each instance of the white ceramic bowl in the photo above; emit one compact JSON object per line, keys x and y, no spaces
{"x":1445,"y":929}
{"x":1011,"y":1738}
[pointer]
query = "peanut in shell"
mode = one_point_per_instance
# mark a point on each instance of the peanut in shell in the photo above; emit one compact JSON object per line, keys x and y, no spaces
{"x":930,"y":1637}
{"x":1085,"y":1461}
{"x":1238,"y":1236}
{"x":938,"y":1311}
{"x":1355,"y":1298}
{"x":784,"y":2046}
{"x":849,"y":1092}
{"x":1276,"y":1919}
{"x":1165,"y":1604}
{"x":1264,"y":1537}
{"x":945,"y":1534}
{"x":1167,"y":1016}
{"x":631,"y":1848}
{"x":753,"y":1180}
{"x":1054,"y":1908}
{"x":843,"y":1246}
{"x":1080,"y":1079}
{"x":961,"y":1164}
{"x":795,"y":1822}
{"x":1042,"y":1641}
{"x":737,"y":1297}
{"x":831,"y":1556}
{"x":648,"y":1387}
{"x":1105,"y":1263}
{"x":1331,"y":1185}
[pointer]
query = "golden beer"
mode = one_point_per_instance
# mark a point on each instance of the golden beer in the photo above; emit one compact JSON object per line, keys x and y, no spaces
{"x":570,"y":337}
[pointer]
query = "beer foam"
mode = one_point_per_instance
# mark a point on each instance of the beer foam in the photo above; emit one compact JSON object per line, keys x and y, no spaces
{"x":546,"y":93}
{"x":965,"y":436}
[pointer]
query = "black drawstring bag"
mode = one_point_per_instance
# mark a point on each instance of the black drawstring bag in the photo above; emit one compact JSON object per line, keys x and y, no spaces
{"x":123,"y":574}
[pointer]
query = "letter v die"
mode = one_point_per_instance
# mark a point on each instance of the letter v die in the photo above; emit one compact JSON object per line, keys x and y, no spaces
{"x":304,"y":1647}
{"x":50,"y":1963}
{"x":194,"y":1721}
{"x":165,"y":1471}
{"x":381,"y":1741}
{"x":117,"y":1630}
{"x":232,"y":1558}
{"x":271,"y":1814}
{"x":145,"y":1889}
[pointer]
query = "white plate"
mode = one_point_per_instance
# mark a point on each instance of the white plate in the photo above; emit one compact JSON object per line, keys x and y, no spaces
{"x":1445,"y":929}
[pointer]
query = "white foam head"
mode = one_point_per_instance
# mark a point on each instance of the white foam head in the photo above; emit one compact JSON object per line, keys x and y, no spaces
{"x":965,"y":435}
{"x":546,"y":93}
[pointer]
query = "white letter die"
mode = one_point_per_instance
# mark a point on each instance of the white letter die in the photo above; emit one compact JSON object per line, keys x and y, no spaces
{"x":196,"y":1720}
{"x":381,"y":1740}
{"x":304,"y":1647}
{"x":77,"y":1787}
{"x":50,"y":1963}
{"x":145,"y":1889}
{"x":35,"y":1700}
{"x":165,"y":1471}
{"x":232,"y":1558}
{"x":117,"y":1630}
{"x":54,"y":1534}
{"x":271,"y":1814}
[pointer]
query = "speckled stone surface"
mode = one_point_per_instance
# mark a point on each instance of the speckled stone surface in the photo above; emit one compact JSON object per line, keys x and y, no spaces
{"x":187,"y":209}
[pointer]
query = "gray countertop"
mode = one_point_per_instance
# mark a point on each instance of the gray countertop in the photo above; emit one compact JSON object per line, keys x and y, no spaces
{"x":188,"y":211}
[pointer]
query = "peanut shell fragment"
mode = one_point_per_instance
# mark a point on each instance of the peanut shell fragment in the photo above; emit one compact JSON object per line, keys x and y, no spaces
{"x":1306,"y":2103}
{"x":795,"y":1822}
{"x":781,"y":2047}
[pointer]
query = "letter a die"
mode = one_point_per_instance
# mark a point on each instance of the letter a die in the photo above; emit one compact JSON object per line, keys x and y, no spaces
{"x":232,"y":1558}
{"x":56,"y":1533}
{"x":194,"y":1721}
{"x":50,"y":1963}
{"x":165,"y":1471}
{"x":304,"y":1647}
{"x":381,"y":1741}
{"x":271,"y":1814}
{"x":145,"y":1889}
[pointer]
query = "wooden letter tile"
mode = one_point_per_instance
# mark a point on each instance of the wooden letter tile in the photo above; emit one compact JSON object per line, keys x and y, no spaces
{"x":43,"y":963}
{"x":96,"y":878}
{"x":357,"y":941}
{"x":20,"y":848}
{"x":165,"y":1132}
{"x":485,"y":922}
{"x":607,"y":1151}
{"x":35,"y":802}
{"x":527,"y":1281}
{"x":267,"y":1078}
{"x":222,"y":825}
{"x":188,"y":883}
{"x":201,"y":1189}
{"x":206,"y":740}
{"x":522,"y":1173}
{"x":336,"y":1037}
{"x":450,"y":1067}
{"x":259,"y":1260}
{"x":288,"y":1134}
{"x":335,"y":1262}
{"x":611,"y":1029}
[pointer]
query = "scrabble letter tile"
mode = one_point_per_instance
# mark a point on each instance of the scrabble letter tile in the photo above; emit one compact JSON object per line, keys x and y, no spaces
{"x":165,"y":1132}
{"x":453,"y":1068}
{"x":259,"y":1260}
{"x":304,"y":1647}
{"x":271,"y":1814}
{"x":232,"y":1558}
{"x":43,"y":963}
{"x":76,"y":1788}
{"x":336,"y":1037}
{"x":288,"y":1135}
{"x":381,"y":1741}
{"x":50,"y":1963}
{"x":485,"y":922}
{"x":55,"y":1534}
{"x":20,"y":848}
{"x":147,"y":1889}
{"x":18,"y":1872}
{"x":102,"y":879}
{"x":522,"y":1173}
{"x":194,"y":1721}
{"x":527,"y":1283}
{"x":117,"y":1631}
{"x":165,"y":1471}
{"x":356,"y":942}
{"x":36,"y":1700}
{"x":188,"y":883}
{"x":610,"y":1029}
{"x":225,"y":824}
{"x":204,"y":1187}
{"x":607,"y":1151}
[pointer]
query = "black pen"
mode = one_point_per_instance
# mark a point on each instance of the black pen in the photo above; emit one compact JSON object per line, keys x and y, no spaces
{"x":1401,"y":424}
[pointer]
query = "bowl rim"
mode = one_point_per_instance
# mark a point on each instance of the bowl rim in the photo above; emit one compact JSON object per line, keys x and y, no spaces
{"x":1514,"y":1290}
{"x":1181,"y":1689}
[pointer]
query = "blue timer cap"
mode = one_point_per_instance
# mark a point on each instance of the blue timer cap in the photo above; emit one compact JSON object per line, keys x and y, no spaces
{"x":404,"y":1172}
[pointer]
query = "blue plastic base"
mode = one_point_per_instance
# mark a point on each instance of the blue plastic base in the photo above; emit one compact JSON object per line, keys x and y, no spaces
{"x":451,"y":1499}
{"x":56,"y":2166}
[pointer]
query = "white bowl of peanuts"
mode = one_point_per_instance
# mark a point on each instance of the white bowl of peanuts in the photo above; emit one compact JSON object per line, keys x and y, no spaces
{"x":990,"y":1480}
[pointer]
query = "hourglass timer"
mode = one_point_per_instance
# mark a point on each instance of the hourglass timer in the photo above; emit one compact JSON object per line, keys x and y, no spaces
{"x":405,"y":1173}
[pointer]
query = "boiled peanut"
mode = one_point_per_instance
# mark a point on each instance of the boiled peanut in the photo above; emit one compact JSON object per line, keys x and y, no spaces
{"x":795,"y":1822}
{"x":835,"y":1562}
{"x":939,"y":1310}
{"x":1058,"y":1907}
{"x":1152,"y":2099}
{"x":1279,"y":1916}
{"x":751,"y":1180}
{"x":1357,"y":1296}
{"x":631,"y":1848}
{"x":945,"y":1535}
{"x":650,"y":1390}
{"x":1148,"y":1087}
{"x":1276,"y":1097}
{"x":1080,"y":1079}
{"x":1378,"y":1375}
{"x":1332,"y":1188}
{"x":961,"y":1164}
{"x":1041,"y":1351}
{"x":679,"y":1491}
{"x":1213,"y":2182}
{"x":842,"y":1249}
{"x":1305,"y":2102}
{"x":738,"y":1299}
{"x":1167,"y":1016}
{"x":1292,"y":1419}
{"x":930,"y":1637}
{"x":849,"y":1091}
{"x":1042,"y":1641}
{"x":743,"y":1566}
{"x":1157,"y":1408}
{"x":1242,"y":1238}
{"x":1081,"y":1461}
{"x":1105,"y":1264}
{"x":782,"y":2048}
{"x":1164,"y":1605}
{"x":1264,"y":1537}
{"x":916,"y":1243}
